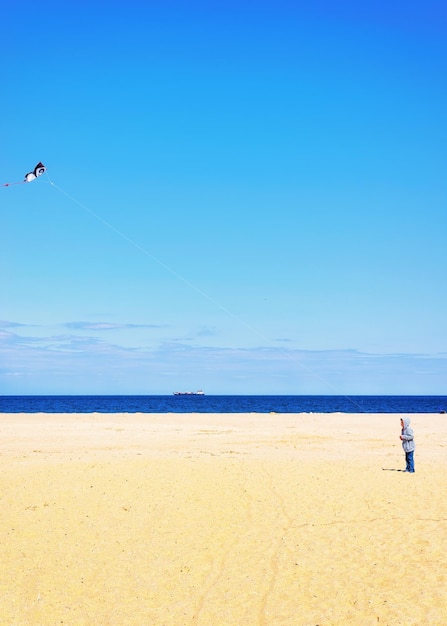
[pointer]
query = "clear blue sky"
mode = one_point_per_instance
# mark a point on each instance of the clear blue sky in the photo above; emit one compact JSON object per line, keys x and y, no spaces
{"x":244,"y":197}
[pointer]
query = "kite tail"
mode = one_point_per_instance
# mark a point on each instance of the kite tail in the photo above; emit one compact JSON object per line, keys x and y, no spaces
{"x":19,"y":182}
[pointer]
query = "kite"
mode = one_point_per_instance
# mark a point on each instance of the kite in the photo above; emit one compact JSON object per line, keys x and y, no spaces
{"x":37,"y":171}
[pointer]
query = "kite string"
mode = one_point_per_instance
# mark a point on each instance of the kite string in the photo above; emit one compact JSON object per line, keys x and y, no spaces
{"x":196,"y":289}
{"x":151,"y":256}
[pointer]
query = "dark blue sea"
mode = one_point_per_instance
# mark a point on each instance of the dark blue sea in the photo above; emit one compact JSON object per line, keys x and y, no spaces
{"x":223,"y":404}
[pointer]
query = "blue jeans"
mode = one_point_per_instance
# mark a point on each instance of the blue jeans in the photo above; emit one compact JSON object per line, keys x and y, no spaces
{"x":409,"y":458}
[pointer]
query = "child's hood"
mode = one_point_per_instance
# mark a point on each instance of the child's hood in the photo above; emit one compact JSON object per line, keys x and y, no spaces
{"x":406,"y":421}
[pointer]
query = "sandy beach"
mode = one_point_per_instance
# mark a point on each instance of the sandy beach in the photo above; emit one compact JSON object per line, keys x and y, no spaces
{"x":221,"y":519}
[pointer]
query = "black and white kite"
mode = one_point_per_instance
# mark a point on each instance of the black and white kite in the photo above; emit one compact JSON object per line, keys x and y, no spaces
{"x":37,"y":171}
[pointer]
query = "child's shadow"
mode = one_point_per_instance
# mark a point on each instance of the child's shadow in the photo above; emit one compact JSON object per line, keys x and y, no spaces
{"x":392,"y":469}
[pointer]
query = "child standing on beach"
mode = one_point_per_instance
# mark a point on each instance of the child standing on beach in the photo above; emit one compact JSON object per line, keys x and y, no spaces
{"x":407,"y":438}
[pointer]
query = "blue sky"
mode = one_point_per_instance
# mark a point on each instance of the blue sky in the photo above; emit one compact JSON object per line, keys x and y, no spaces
{"x":242,"y":197}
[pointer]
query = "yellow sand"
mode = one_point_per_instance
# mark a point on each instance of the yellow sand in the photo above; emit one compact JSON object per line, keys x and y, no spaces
{"x":213,"y":520}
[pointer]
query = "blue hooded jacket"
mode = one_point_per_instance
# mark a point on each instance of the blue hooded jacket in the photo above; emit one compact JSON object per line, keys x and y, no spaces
{"x":407,"y":434}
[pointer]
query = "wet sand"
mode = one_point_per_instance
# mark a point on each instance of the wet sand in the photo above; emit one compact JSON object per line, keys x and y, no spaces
{"x":221,"y":519}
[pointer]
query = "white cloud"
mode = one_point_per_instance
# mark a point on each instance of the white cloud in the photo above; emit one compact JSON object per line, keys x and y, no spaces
{"x":108,"y":326}
{"x":8,"y":324}
{"x":71,"y":363}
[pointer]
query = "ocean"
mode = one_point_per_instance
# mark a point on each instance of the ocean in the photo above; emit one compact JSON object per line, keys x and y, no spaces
{"x":223,"y":404}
